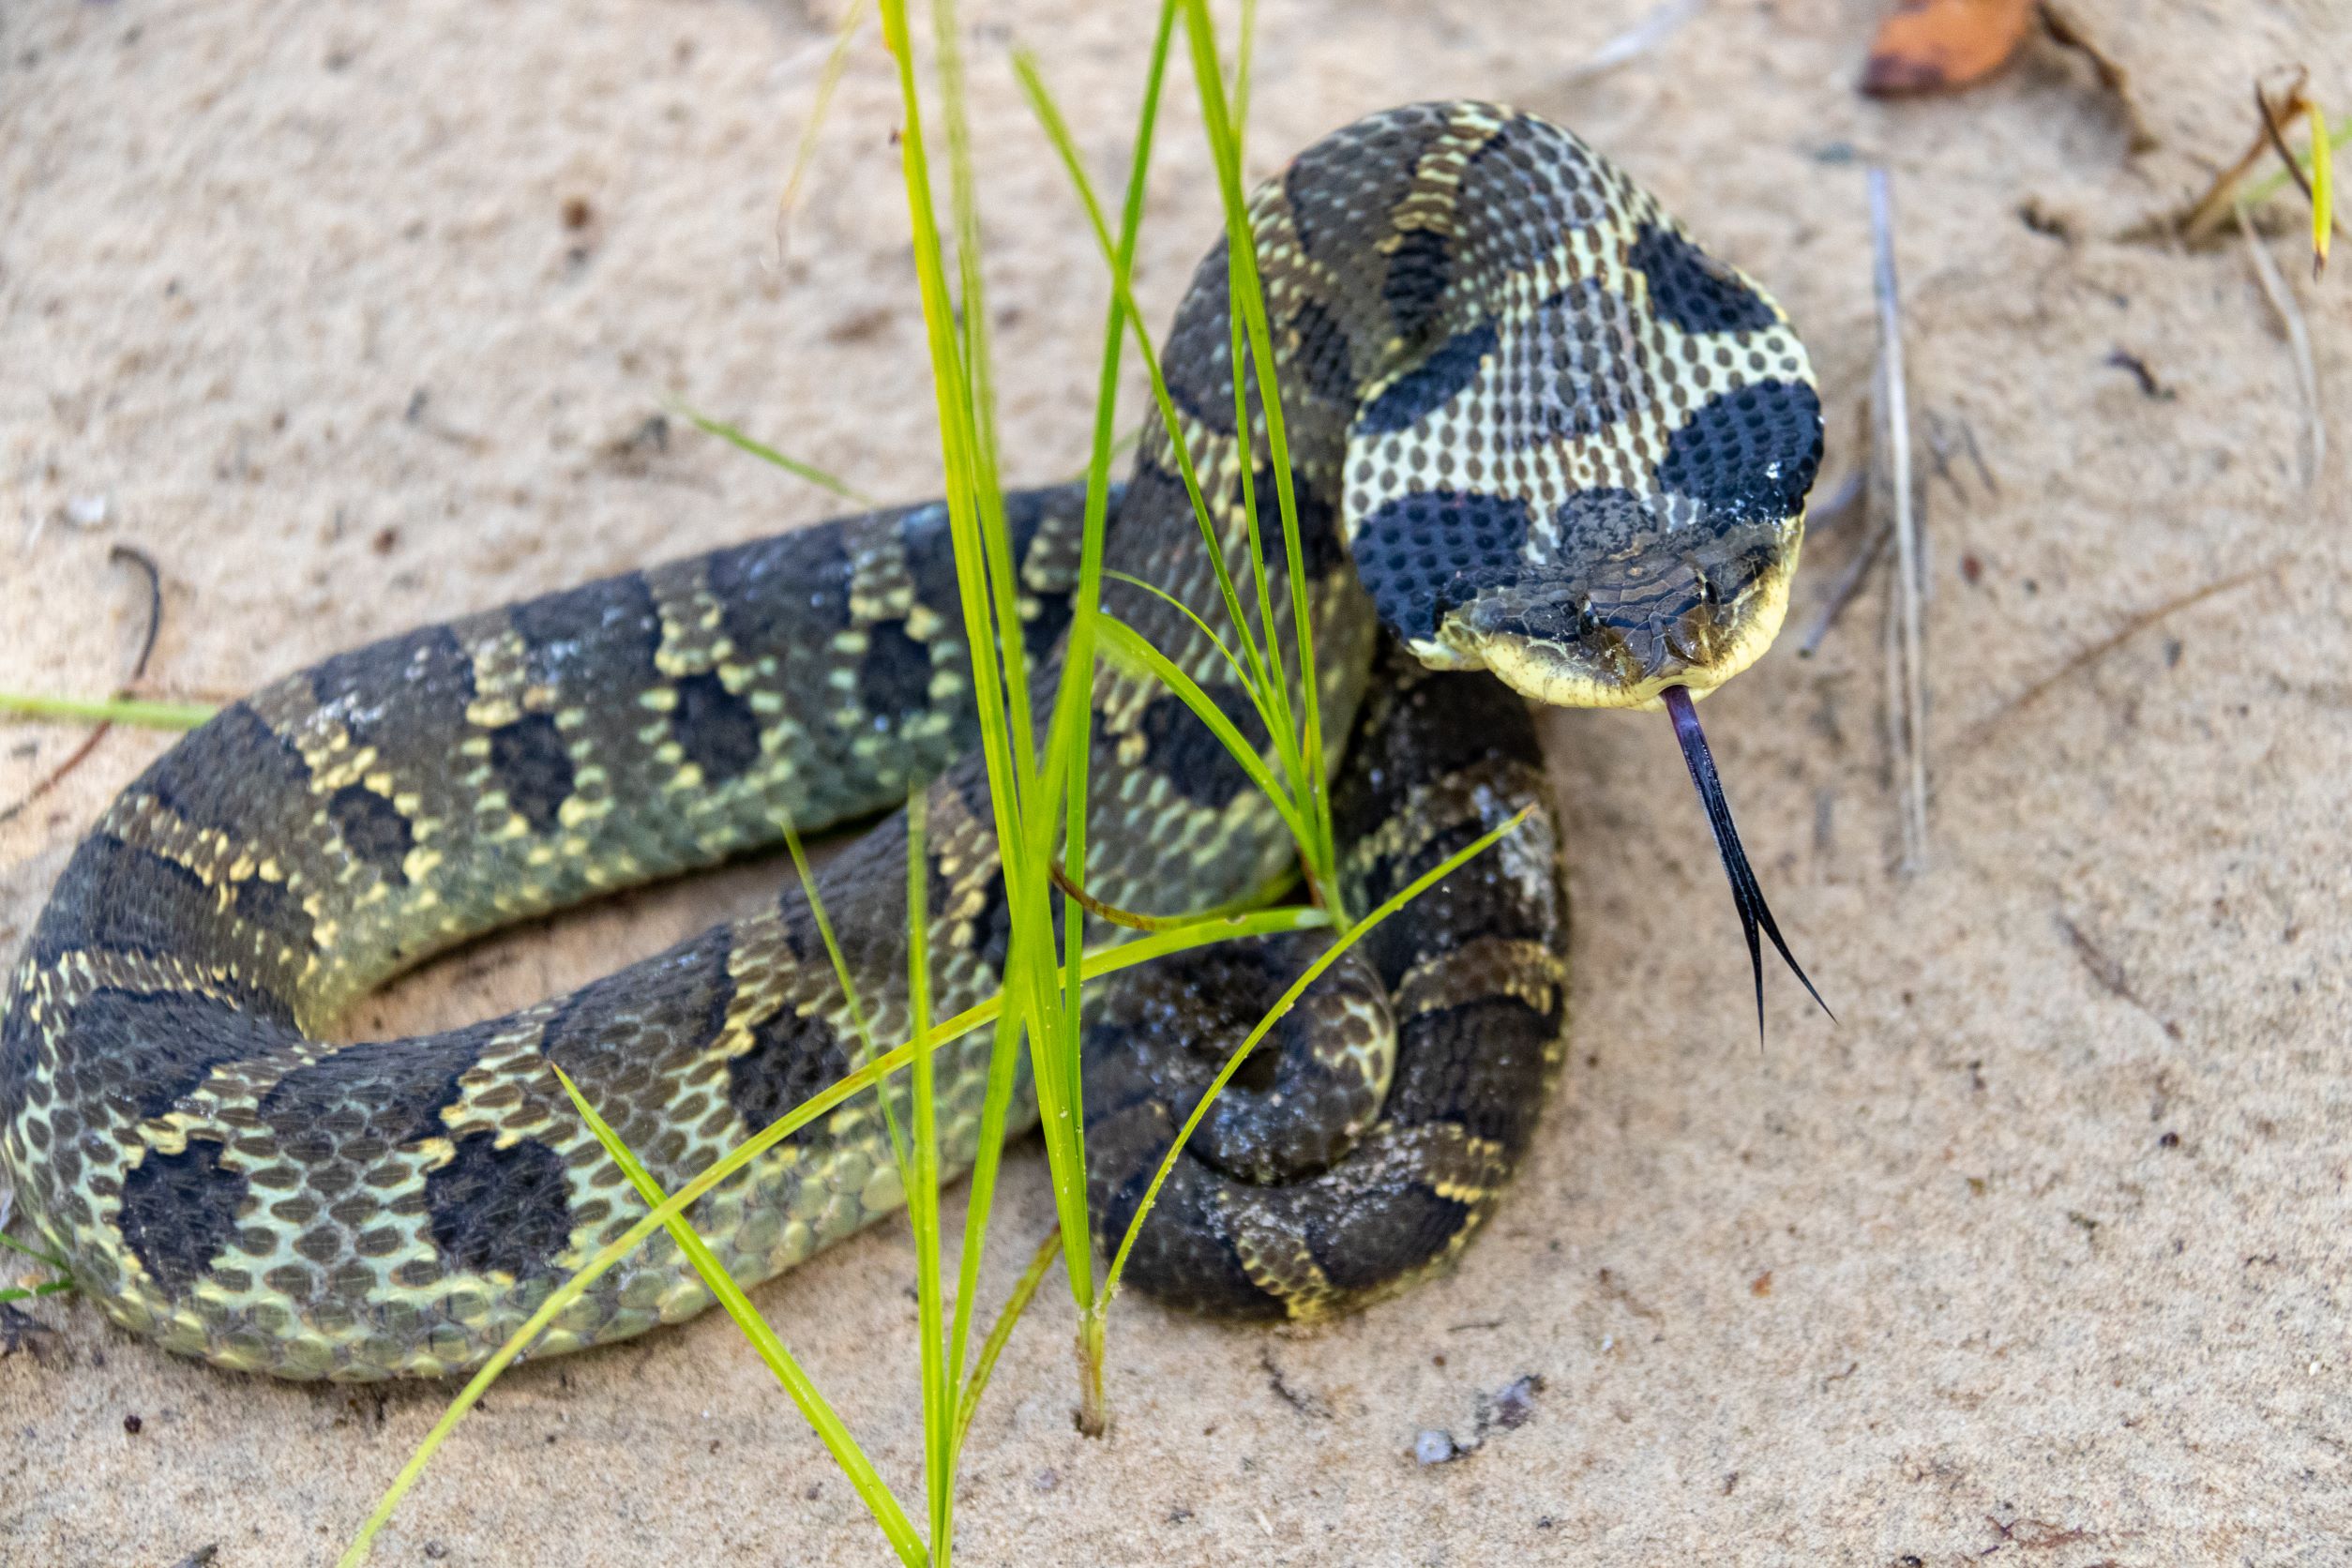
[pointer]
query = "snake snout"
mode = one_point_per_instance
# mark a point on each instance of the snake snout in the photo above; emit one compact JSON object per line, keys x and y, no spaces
{"x":1616,"y":634}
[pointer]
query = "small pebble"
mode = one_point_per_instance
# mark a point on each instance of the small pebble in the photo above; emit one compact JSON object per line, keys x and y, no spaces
{"x":1434,"y":1447}
{"x":1515,"y":1402}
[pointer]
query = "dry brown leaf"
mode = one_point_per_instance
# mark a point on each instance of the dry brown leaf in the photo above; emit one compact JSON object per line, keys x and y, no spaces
{"x":1932,"y":46}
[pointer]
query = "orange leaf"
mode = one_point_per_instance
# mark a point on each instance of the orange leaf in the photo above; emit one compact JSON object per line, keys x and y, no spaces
{"x":1930,"y":46}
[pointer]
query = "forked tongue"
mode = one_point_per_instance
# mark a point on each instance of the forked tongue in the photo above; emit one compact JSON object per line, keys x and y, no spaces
{"x":1753,"y":912}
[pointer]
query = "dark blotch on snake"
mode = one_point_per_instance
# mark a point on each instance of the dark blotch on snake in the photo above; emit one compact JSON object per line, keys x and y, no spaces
{"x":357,"y":1106}
{"x":179,"y":1211}
{"x":1385,"y":1231}
{"x":714,"y":727}
{"x":792,"y":1057}
{"x":1421,"y":556}
{"x":114,"y":896}
{"x":1183,"y":1256}
{"x":1321,"y":550}
{"x":1188,"y":754}
{"x":1430,"y":385}
{"x":150,"y":1049}
{"x":617,"y":1035}
{"x":1322,"y":359}
{"x":1467,"y":1065}
{"x":420,"y":672}
{"x":500,"y":1211}
{"x":1693,"y":290}
{"x":1352,"y":179}
{"x":893,"y":679}
{"x":1198,"y":360}
{"x":1748,"y":456}
{"x":273,"y":907}
{"x":532,"y":765}
{"x":373,"y":829}
{"x":583,"y":638}
{"x":212,"y":775}
{"x":1419,"y":270}
{"x":779,"y":593}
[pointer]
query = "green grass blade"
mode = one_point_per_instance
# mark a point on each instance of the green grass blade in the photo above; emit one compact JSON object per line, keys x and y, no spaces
{"x":765,"y":453}
{"x":1058,"y":132}
{"x":34,"y":1253}
{"x":1124,"y":642}
{"x":1249,"y":295}
{"x":2323,"y":185}
{"x":1002,"y":1331}
{"x":27,"y":1292}
{"x":921,"y":1189}
{"x":106,"y":710}
{"x":828,"y":82}
{"x":814,"y":1407}
{"x":1068,"y":744}
{"x":1313,"y":971}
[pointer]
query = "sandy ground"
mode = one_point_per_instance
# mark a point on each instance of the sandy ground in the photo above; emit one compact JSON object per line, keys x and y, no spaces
{"x":2041,"y":1253}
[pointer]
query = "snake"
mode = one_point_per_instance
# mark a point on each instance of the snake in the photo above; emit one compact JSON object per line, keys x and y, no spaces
{"x":1540,"y":446}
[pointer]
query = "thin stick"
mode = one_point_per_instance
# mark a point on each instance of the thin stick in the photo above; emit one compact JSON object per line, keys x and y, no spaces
{"x":1842,"y":593}
{"x":2132,"y":628}
{"x":2281,"y":300}
{"x":1895,"y":402}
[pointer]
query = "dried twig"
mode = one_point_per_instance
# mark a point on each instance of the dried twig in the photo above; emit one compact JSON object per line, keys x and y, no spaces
{"x":1908,"y":667}
{"x":1841,"y":592}
{"x":2290,"y":316}
{"x":2132,"y":628}
{"x":119,"y":555}
{"x":2278,"y":137}
{"x":1636,"y":40}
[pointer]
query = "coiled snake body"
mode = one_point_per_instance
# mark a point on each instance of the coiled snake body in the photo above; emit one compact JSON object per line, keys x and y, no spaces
{"x":1555,"y":439}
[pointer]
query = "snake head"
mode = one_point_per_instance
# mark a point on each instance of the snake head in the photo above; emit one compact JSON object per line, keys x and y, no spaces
{"x":1680,"y":610}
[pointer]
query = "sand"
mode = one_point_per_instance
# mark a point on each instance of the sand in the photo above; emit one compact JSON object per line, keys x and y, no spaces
{"x":353,"y":318}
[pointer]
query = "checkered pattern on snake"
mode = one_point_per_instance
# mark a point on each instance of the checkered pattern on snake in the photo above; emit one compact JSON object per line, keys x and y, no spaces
{"x":1552,"y":436}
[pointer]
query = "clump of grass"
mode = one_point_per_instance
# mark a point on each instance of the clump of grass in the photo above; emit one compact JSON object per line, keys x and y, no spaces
{"x":1038,"y":800}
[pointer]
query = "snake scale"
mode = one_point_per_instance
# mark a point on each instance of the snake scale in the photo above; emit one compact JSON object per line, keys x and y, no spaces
{"x":1554,"y":439}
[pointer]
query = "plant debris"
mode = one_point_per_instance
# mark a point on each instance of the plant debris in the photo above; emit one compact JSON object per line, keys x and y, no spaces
{"x":1937,"y":46}
{"x":2290,"y":316}
{"x":2275,"y":110}
{"x":1906,"y":675}
{"x":1636,"y":40}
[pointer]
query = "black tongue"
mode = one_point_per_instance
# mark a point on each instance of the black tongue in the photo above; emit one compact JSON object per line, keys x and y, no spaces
{"x":1746,"y":893}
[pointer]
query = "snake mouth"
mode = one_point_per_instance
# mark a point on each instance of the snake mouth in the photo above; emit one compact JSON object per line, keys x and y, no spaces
{"x":1623,"y":640}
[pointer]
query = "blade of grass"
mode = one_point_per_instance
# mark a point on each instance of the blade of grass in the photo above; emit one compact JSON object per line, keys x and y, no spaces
{"x":34,"y":1253}
{"x":1307,"y":976}
{"x":2323,"y":208}
{"x":828,"y":82}
{"x":814,"y":1407}
{"x":106,"y":710}
{"x":922,"y":1190}
{"x":1247,"y":293}
{"x":1109,"y":962}
{"x":1124,"y":642}
{"x":1014,"y":1304}
{"x":765,"y":453}
{"x":1058,"y":132}
{"x":27,"y":1292}
{"x":1069,"y":744}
